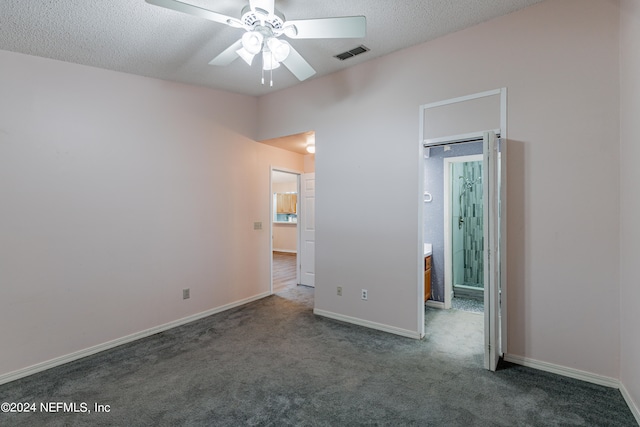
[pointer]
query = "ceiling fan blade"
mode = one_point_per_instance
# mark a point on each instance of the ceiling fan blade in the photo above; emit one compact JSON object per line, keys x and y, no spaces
{"x":196,"y":11}
{"x":297,"y":65}
{"x":345,"y":27}
{"x":227,"y":56}
{"x":266,"y":5}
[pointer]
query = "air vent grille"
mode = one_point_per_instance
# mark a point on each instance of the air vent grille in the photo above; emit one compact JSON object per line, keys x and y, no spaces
{"x":351,"y":53}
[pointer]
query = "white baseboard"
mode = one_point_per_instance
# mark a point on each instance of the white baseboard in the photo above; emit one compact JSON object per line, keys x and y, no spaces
{"x":435,"y":304}
{"x":30,"y":370}
{"x":287,"y":251}
{"x":580,"y":375}
{"x":368,"y":324}
{"x":563,"y":370}
{"x":630,"y":403}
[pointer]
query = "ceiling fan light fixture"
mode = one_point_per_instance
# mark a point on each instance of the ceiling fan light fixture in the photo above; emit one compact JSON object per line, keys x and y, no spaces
{"x":252,"y":42}
{"x":279,"y":49}
{"x":269,"y":61}
{"x":245,"y":55}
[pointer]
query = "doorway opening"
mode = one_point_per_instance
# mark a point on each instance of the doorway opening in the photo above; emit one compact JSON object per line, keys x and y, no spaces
{"x":463,"y":230}
{"x":452,"y":123}
{"x":285,"y":209}
{"x":292,"y":209}
{"x":453,"y":235}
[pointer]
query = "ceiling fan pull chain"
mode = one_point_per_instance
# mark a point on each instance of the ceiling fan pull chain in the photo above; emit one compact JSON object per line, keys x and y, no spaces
{"x":271,"y":71}
{"x":262,"y":75}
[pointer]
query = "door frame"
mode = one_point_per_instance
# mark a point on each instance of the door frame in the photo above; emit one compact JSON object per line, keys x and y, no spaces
{"x":423,"y":151}
{"x":448,"y":235}
{"x":271,"y":208}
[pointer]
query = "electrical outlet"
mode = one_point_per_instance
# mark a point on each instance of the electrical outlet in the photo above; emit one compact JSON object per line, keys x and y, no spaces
{"x":339,"y":291}
{"x":365,"y":294}
{"x":185,"y":294}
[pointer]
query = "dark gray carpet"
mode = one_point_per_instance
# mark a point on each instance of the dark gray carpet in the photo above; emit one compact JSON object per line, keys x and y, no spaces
{"x":273,"y":363}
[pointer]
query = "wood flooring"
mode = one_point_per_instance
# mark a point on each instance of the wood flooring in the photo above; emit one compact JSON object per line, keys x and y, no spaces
{"x":284,"y":271}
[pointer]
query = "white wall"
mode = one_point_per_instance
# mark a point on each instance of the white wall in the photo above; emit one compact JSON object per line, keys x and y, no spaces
{"x":285,"y":237}
{"x":309,"y":163}
{"x":559,"y":61}
{"x":630,"y":200}
{"x":116,"y":193}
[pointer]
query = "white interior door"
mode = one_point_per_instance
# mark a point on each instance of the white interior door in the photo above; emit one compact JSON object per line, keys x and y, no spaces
{"x":491,"y":200}
{"x":502,"y":241}
{"x":307,"y":229}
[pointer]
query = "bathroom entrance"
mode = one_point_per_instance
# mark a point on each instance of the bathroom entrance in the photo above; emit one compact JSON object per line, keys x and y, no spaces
{"x":453,"y":225}
{"x":447,"y":125}
{"x":463,"y":182}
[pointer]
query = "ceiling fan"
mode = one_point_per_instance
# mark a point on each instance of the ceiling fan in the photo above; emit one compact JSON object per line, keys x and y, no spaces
{"x":263,"y":25}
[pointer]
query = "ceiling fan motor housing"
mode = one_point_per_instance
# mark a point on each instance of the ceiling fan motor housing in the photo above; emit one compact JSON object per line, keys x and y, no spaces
{"x":258,"y":17}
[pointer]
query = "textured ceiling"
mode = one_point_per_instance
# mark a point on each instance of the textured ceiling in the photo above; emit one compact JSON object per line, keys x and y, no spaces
{"x":138,"y":38}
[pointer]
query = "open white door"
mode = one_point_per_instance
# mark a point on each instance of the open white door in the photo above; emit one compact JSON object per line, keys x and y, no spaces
{"x":307,"y":226}
{"x":491,"y":199}
{"x":502,"y":241}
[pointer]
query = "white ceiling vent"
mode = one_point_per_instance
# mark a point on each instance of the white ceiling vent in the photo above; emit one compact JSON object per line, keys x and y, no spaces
{"x":351,"y":53}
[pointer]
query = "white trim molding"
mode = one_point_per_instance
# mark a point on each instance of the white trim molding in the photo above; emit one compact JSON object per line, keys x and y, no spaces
{"x":286,"y":251}
{"x":368,"y":324}
{"x":563,"y":370}
{"x":630,"y":403}
{"x":435,"y":304}
{"x":465,"y":98}
{"x":453,"y":139}
{"x":30,"y":370}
